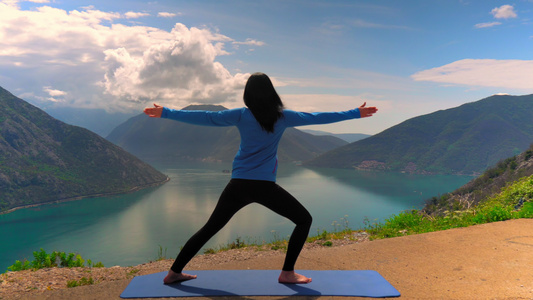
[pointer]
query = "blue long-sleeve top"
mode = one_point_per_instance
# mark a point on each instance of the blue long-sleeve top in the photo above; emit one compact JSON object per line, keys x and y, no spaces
{"x":257,"y":155}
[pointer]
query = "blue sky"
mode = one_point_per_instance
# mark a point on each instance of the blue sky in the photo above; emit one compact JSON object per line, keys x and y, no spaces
{"x":408,"y":58}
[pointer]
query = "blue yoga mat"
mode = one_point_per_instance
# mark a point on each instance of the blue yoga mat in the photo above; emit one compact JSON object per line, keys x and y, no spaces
{"x":361,"y":283}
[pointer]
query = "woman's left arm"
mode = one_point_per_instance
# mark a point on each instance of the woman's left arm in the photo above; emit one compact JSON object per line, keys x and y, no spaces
{"x":367,"y":111}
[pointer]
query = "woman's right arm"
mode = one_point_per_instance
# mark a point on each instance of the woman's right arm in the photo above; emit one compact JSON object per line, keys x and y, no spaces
{"x":154,"y":112}
{"x":197,"y":117}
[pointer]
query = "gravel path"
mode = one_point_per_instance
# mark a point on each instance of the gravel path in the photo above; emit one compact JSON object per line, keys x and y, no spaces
{"x":490,"y":261}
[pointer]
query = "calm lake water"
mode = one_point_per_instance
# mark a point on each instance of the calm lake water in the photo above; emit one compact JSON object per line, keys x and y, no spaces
{"x":127,"y":230}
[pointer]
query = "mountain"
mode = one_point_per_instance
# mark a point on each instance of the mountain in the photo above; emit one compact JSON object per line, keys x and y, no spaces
{"x":348,"y":137}
{"x":44,"y":160}
{"x":156,"y":139}
{"x":486,"y":185}
{"x":463,"y":140}
{"x":96,"y":120}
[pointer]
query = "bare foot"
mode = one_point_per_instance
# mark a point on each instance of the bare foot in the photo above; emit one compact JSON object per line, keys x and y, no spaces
{"x":177,"y":277}
{"x":292,"y":277}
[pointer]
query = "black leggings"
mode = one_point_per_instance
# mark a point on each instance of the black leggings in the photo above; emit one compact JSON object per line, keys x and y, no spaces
{"x":239,"y":193}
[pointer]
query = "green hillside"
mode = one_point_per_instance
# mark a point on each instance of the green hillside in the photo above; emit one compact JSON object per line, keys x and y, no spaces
{"x":462,"y":140}
{"x":156,"y":139}
{"x":503,"y":192}
{"x":491,"y":182}
{"x":44,"y":160}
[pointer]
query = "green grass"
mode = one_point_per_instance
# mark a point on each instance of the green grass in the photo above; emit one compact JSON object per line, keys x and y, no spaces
{"x":237,"y":244}
{"x":513,"y":202}
{"x":161,"y":253}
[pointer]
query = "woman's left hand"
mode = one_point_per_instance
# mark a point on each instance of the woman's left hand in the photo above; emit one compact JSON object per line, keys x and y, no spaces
{"x":367,"y":111}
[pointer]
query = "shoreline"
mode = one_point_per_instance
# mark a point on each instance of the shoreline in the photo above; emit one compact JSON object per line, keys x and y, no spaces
{"x":132,"y":190}
{"x":486,"y":261}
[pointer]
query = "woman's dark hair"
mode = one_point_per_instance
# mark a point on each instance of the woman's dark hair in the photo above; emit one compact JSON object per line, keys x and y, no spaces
{"x":261,"y":98}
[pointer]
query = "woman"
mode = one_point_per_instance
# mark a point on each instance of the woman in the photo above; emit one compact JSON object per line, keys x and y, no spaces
{"x":261,"y":124}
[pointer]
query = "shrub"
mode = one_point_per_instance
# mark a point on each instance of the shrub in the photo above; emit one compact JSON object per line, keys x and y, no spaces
{"x":327,"y":244}
{"x":54,"y":259}
{"x":19,"y":266}
{"x":528,"y":155}
{"x":526,"y":211}
{"x":493,"y":214}
{"x":82,"y":281}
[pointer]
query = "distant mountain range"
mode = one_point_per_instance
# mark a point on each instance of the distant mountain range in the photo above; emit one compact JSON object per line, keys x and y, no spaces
{"x":463,"y":140}
{"x":348,"y":137}
{"x":157,"y":139}
{"x":96,"y":120}
{"x":44,"y":160}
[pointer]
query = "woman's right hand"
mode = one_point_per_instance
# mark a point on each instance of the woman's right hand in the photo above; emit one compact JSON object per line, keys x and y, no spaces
{"x":154,"y":112}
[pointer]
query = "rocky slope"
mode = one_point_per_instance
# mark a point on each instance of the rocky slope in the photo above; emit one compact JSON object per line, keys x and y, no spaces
{"x":487,"y":184}
{"x":44,"y":160}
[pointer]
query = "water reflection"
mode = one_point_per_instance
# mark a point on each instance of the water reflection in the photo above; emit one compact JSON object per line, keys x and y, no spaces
{"x":386,"y":183}
{"x":128,"y":229}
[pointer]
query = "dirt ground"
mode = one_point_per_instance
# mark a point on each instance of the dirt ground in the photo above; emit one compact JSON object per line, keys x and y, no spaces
{"x":490,"y":261}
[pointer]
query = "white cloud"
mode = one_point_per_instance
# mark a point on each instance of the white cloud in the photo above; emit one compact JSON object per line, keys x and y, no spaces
{"x":92,"y":62}
{"x":9,"y":3}
{"x":53,"y":92}
{"x":487,"y":25}
{"x":54,"y":95}
{"x":504,"y":12}
{"x":135,"y":15}
{"x":349,"y":79}
{"x":166,"y":14}
{"x":12,"y":3}
{"x":180,"y":68}
{"x":366,"y":24}
{"x":329,"y":102}
{"x":511,"y":74}
{"x":250,"y":42}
